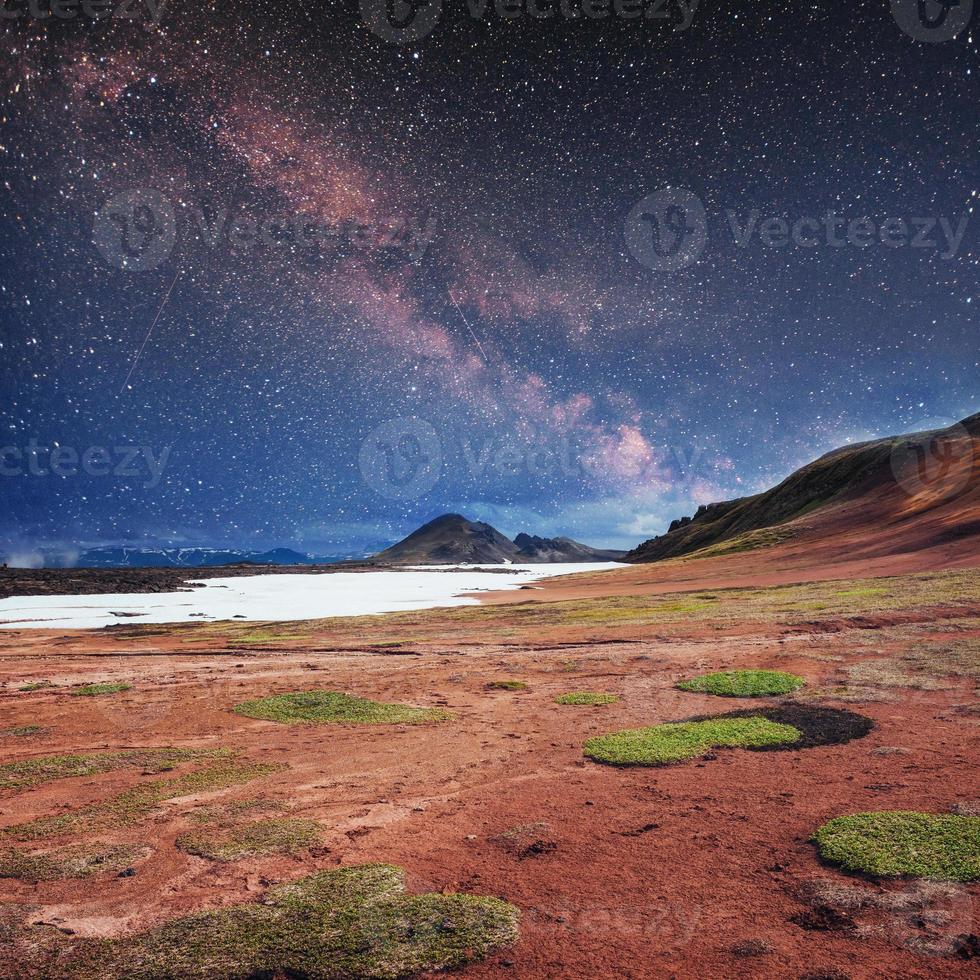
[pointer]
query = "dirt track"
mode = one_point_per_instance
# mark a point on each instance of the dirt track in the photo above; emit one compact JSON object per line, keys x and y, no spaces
{"x":619,"y":872}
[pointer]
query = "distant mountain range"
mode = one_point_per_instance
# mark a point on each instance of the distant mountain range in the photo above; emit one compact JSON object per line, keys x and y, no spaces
{"x":195,"y":558}
{"x":531,"y":548}
{"x":920,"y":491}
{"x":452,"y":539}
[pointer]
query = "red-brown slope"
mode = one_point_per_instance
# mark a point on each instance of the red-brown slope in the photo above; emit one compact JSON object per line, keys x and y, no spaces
{"x":887,"y":477}
{"x":884,"y":527}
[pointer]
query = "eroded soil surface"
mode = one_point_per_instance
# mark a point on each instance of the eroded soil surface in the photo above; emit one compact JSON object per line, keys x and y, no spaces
{"x":701,"y":869}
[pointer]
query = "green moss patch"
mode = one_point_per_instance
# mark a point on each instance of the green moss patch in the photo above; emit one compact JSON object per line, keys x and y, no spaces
{"x":817,"y":726}
{"x":71,"y":862}
{"x":744,"y":683}
{"x":624,"y":611}
{"x":586,"y":697}
{"x":233,"y":811}
{"x":766,"y":537}
{"x":273,"y":836}
{"x":677,"y":741}
{"x":35,"y":686}
{"x":256,"y":637}
{"x":895,"y":843}
{"x":134,"y":804}
{"x":34,"y":772}
{"x":507,"y":686}
{"x":335,"y":707}
{"x":97,"y":690}
{"x":21,"y":731}
{"x":342,"y":924}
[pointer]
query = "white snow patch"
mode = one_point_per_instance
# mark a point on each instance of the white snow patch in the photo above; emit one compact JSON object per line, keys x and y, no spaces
{"x":279,"y":597}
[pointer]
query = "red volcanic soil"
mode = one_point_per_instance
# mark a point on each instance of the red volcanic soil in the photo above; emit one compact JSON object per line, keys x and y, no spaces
{"x":702,"y":869}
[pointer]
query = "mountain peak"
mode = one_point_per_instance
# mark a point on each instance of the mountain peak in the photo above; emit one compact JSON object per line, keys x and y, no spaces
{"x":446,"y":519}
{"x":537,"y":549}
{"x":453,"y":538}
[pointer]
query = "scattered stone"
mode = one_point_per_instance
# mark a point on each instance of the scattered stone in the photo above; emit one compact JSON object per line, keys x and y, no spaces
{"x":751,"y":947}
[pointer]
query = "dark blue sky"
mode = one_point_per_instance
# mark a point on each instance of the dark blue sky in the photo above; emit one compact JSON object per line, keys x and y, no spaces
{"x":455,"y":302}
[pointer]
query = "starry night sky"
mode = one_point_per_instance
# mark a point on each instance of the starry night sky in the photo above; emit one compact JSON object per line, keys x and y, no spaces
{"x":474,"y":286}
